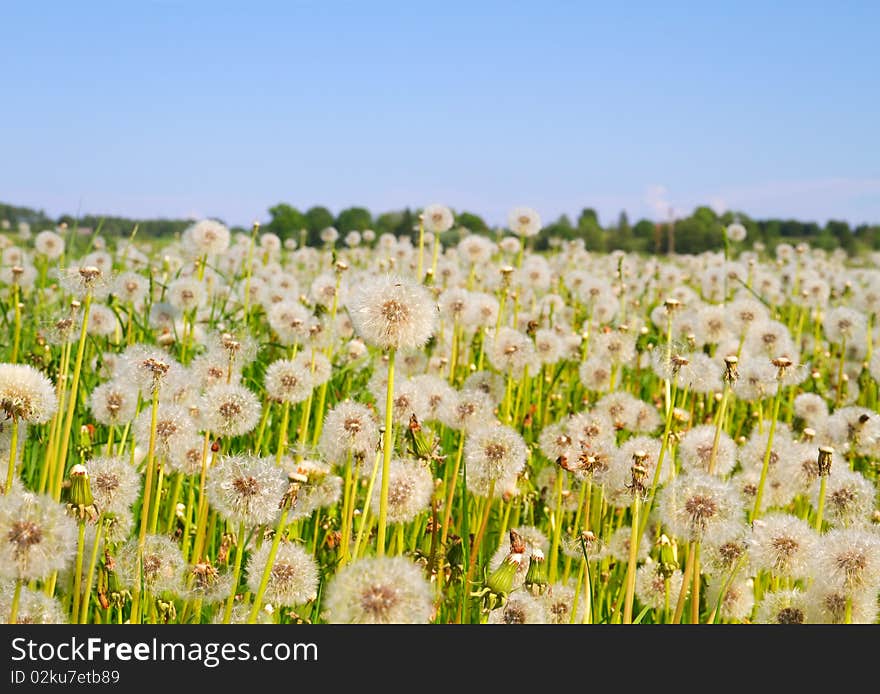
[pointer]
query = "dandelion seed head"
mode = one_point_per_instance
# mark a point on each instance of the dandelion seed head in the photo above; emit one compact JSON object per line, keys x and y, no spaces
{"x":379,"y":590}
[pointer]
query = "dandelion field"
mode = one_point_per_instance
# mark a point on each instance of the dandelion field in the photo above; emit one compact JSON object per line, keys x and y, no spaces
{"x":234,"y":429}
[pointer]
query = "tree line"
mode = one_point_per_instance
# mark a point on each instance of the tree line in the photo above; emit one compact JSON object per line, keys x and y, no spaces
{"x":700,"y":231}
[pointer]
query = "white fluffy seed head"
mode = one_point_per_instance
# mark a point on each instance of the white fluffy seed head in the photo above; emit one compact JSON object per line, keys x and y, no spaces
{"x":37,"y":537}
{"x":246,"y":489}
{"x":393,"y":312}
{"x":379,"y":590}
{"x":495,"y":453}
{"x":293,"y":577}
{"x":288,"y":380}
{"x":26,"y":394}
{"x":230,"y":409}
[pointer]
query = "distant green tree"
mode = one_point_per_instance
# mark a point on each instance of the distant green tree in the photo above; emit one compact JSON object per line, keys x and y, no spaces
{"x":354,"y":219}
{"x":472,"y":222}
{"x":589,"y":230}
{"x":318,"y":218}
{"x":287,"y":221}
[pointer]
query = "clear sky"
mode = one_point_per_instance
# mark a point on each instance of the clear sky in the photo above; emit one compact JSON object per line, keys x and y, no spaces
{"x":170,"y":108}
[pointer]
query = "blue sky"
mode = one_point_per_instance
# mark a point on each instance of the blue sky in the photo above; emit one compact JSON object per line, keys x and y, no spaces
{"x":220,"y":109}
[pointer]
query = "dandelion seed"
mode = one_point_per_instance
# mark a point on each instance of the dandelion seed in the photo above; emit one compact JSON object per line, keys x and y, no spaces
{"x":379,"y":590}
{"x":782,"y":544}
{"x":115,"y":484}
{"x":36,"y":536}
{"x":205,"y":237}
{"x":392,"y":312}
{"x":493,"y":454}
{"x":162,"y":567}
{"x":34,"y":606}
{"x":293,"y":578}
{"x":230,"y":409}
{"x":693,"y":503}
{"x":246,"y":489}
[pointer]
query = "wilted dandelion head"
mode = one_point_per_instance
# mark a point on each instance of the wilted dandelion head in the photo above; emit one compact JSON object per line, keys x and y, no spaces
{"x":316,"y":487}
{"x":146,"y":367}
{"x":528,"y":541}
{"x":379,"y":590}
{"x":293,"y":577}
{"x":393,"y":312}
{"x":26,"y":394}
{"x":246,"y":489}
{"x":162,"y":564}
{"x":207,"y":583}
{"x":230,"y":409}
{"x":85,"y":279}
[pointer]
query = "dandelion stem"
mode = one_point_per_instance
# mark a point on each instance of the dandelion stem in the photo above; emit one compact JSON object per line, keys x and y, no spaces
{"x":13,"y":449}
{"x":16,"y":334}
{"x":236,"y":573}
{"x":16,"y":598}
{"x":820,"y":507}
{"x":756,"y":511}
{"x":695,"y":595}
{"x":282,"y":432}
{"x":270,"y":563}
{"x":77,"y":572}
{"x":90,"y":575}
{"x":447,"y":512}
{"x":557,"y":527}
{"x":633,"y":560}
{"x":387,"y":442}
{"x":145,"y":507}
{"x":685,"y":584}
{"x":61,"y":459}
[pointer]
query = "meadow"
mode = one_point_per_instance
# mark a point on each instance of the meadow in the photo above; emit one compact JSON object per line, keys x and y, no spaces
{"x":233,"y":428}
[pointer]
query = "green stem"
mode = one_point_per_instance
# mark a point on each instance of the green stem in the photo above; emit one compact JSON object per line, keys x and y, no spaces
{"x":16,"y":598}
{"x":236,"y":574}
{"x":61,"y":460}
{"x":93,"y":562}
{"x":633,"y":560}
{"x":77,"y":572}
{"x":387,"y":442}
{"x":13,"y":448}
{"x":267,"y":570}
